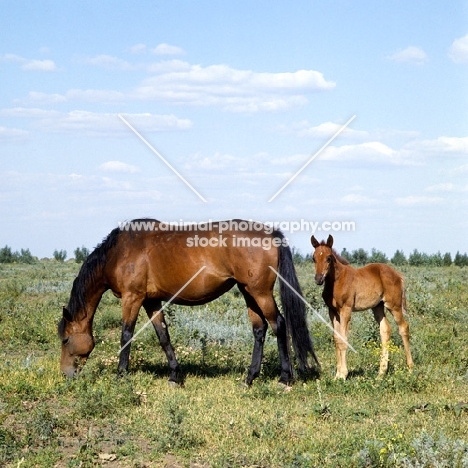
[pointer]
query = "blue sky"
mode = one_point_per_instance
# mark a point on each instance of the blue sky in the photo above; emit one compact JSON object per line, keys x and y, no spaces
{"x":237,"y":96}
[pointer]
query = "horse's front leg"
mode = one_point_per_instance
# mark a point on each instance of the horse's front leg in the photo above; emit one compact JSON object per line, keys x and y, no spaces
{"x":340,"y":320}
{"x":130,"y":307}
{"x":153,"y":309}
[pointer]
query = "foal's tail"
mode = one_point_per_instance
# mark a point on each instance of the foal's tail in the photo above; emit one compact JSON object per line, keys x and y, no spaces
{"x":403,"y":297}
{"x":294,"y":307}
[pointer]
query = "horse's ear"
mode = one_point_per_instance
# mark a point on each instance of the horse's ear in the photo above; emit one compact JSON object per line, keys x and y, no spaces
{"x":315,"y":243}
{"x":330,"y":241}
{"x":66,"y":315}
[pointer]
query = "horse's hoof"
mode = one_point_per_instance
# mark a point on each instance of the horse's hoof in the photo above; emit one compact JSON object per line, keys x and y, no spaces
{"x":285,"y":387}
{"x":173,"y":384}
{"x":244,"y":384}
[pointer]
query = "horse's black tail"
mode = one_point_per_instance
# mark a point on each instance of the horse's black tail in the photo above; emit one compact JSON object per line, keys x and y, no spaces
{"x":294,"y":309}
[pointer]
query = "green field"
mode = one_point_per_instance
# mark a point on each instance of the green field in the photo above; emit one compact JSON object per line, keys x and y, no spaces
{"x":410,"y":420}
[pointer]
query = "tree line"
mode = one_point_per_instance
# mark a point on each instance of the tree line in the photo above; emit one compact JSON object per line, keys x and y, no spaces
{"x":356,"y":257}
{"x":415,"y":258}
{"x":24,"y":256}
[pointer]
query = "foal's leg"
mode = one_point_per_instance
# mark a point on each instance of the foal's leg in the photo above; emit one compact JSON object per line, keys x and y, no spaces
{"x":385,"y":332}
{"x":403,"y":330}
{"x":131,"y":304}
{"x":340,"y":320}
{"x":153,"y":308}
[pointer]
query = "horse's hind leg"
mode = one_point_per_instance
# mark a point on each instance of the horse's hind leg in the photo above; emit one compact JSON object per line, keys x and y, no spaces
{"x":262,"y":310}
{"x":153,"y":310}
{"x":385,"y":332}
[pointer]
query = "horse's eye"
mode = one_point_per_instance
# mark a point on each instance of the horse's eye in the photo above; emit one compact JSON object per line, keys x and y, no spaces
{"x":313,"y":259}
{"x":329,"y":258}
{"x":66,"y":340}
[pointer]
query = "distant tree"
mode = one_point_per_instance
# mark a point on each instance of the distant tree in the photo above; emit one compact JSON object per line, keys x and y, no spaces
{"x":297,"y":256}
{"x":399,"y":258}
{"x":377,"y":257}
{"x":60,"y":255}
{"x":346,"y":255}
{"x":436,"y":259}
{"x":25,"y":256}
{"x":416,"y":258}
{"x":359,"y":256}
{"x":6,"y":255}
{"x":81,"y":254}
{"x":447,"y":260}
{"x":461,"y":259}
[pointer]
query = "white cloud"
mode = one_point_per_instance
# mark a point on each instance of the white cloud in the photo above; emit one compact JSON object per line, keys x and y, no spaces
{"x":30,"y":64}
{"x":39,"y":65}
{"x":415,"y":200}
{"x":96,"y":124}
{"x":106,"y":61}
{"x":118,"y":166}
{"x":233,"y":90}
{"x":166,"y":49}
{"x":442,"y":144}
{"x":442,"y":187}
{"x":355,"y":198}
{"x":12,"y":134}
{"x":372,"y":151}
{"x":179,"y":82}
{"x":322,"y":131}
{"x":412,"y":54}
{"x":458,"y":51}
{"x":447,"y":187}
{"x":137,"y":49}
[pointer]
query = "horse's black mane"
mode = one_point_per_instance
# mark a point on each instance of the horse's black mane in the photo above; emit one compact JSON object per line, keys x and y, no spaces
{"x":88,"y":272}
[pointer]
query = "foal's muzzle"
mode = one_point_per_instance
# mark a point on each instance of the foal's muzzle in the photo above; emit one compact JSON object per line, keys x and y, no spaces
{"x":319,"y":279}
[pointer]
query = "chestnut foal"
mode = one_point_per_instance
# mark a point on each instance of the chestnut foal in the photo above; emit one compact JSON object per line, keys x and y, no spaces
{"x":347,"y":289}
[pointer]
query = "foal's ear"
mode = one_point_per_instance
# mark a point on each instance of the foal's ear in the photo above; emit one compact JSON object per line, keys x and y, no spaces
{"x":315,"y":243}
{"x":330,"y":241}
{"x":66,"y":314}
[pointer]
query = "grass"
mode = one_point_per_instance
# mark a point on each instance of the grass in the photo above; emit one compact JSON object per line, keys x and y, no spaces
{"x":410,"y":420}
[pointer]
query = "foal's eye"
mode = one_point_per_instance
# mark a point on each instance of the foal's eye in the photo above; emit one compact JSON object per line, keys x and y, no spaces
{"x":329,"y":258}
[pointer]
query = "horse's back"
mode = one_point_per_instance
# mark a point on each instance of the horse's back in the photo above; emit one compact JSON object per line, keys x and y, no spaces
{"x":163,"y":261}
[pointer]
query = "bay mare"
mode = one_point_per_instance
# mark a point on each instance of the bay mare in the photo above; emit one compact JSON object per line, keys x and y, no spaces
{"x":346,"y":289}
{"x":145,"y":267}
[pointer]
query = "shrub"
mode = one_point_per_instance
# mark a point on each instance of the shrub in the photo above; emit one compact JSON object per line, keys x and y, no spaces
{"x":360,"y":257}
{"x":399,"y":258}
{"x":377,"y":257}
{"x":81,"y":254}
{"x":60,"y":256}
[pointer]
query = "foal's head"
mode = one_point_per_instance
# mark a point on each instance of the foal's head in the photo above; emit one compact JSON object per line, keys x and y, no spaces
{"x":77,"y":343}
{"x":323,"y":258}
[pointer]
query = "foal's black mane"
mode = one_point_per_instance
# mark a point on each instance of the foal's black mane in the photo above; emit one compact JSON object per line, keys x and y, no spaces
{"x":341,"y":259}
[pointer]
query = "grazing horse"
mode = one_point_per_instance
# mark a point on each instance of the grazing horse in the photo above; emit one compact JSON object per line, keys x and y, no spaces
{"x":188,"y":265}
{"x":374,"y":286}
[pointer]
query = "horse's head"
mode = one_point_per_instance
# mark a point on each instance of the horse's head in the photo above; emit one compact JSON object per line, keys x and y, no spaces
{"x":77,"y":344}
{"x":323,"y":258}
